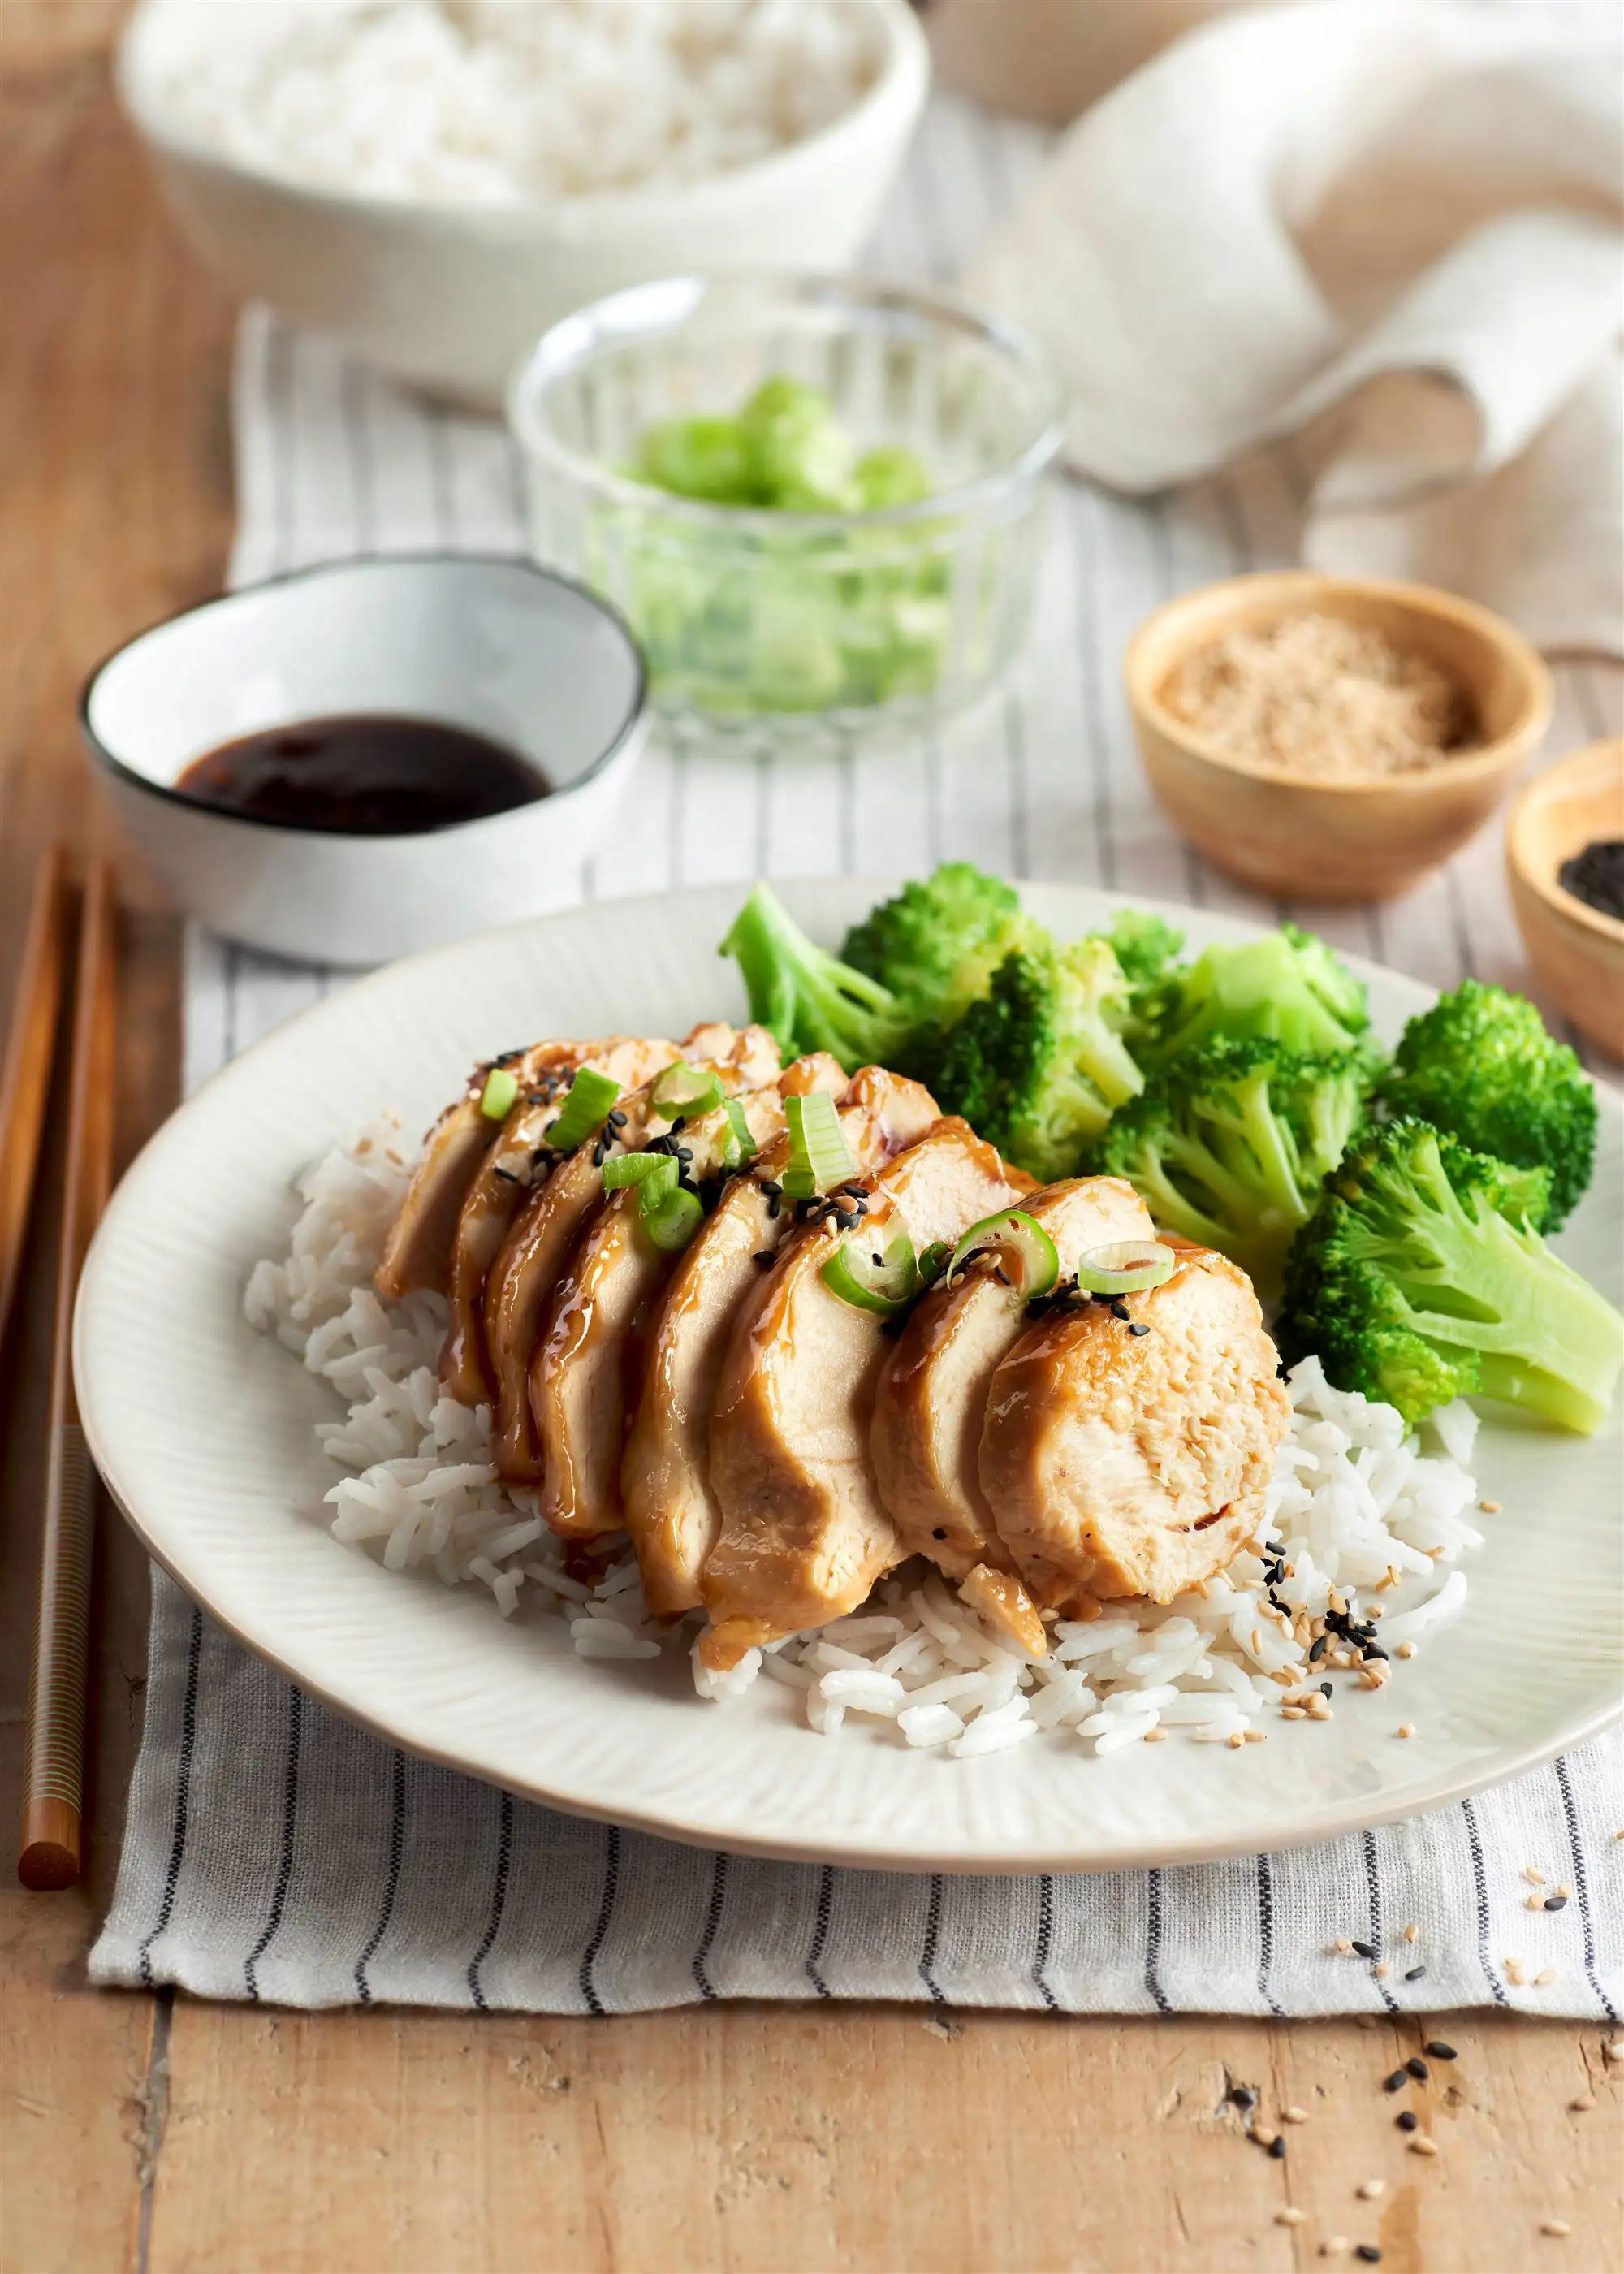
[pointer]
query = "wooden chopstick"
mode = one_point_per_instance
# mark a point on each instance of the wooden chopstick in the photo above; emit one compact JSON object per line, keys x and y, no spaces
{"x":25,"y":1085}
{"x":51,"y":1848}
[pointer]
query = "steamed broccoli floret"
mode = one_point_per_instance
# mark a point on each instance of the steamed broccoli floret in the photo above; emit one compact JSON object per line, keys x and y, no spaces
{"x":1229,"y":1146}
{"x":1288,"y":988}
{"x":1145,"y":946}
{"x":1480,"y":1064}
{"x":1420,"y":1277}
{"x":915,"y":944}
{"x":881,"y":1001}
{"x":1037,"y":1062}
{"x":808,"y":999}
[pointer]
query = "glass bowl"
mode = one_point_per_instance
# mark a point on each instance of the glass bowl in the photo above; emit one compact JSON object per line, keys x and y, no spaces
{"x":820,"y":618}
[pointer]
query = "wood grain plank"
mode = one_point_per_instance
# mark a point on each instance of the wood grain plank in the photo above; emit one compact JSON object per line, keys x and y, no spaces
{"x":748,"y":2138}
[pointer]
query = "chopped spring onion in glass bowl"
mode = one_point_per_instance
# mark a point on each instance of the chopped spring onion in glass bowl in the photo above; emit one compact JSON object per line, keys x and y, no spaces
{"x":814,"y":499}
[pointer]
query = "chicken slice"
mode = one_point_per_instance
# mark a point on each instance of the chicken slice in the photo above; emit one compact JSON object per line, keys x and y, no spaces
{"x":1123,"y":1464}
{"x":417,"y":1253}
{"x":804,"y":1536}
{"x":932,"y":1395}
{"x":671,"y":1511}
{"x":537,"y":1246}
{"x":587,"y":1367}
{"x":512,"y":1168}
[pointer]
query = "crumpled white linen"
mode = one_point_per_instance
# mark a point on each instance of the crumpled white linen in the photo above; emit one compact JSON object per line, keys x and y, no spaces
{"x":1395,"y":233}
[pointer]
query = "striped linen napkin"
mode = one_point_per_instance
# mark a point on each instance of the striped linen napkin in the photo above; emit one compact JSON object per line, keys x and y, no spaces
{"x":271,"y":1851}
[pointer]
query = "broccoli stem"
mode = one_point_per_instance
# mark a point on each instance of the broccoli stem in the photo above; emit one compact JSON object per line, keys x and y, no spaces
{"x":807,"y":998}
{"x":1548,"y":1341}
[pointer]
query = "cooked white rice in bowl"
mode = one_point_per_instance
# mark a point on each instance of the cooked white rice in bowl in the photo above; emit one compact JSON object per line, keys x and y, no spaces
{"x":1357,"y":1560}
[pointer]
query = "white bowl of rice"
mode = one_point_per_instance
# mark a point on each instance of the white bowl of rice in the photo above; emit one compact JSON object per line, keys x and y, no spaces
{"x":435,"y":181}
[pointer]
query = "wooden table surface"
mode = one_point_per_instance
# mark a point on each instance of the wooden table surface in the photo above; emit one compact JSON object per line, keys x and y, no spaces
{"x":147,"y":2131}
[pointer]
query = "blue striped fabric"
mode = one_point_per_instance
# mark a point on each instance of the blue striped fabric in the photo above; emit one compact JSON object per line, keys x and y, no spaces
{"x":273,"y":1852}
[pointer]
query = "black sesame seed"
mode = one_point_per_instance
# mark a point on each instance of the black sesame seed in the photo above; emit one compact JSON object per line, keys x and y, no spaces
{"x":1407,"y":2121}
{"x":771,"y":1186}
{"x":1418,"y":2069}
{"x":1556,"y":1903}
{"x":1243,"y":2096}
{"x":683,"y":1152}
{"x":505,"y":1175}
{"x":1365,"y":1949}
{"x":1372,"y":1650}
{"x":1120,"y":1310}
{"x":616,"y":1119}
{"x":940,"y":1532}
{"x":857,"y":1192}
{"x":680,"y":1123}
{"x":765,"y":1257}
{"x":1139,"y":1328}
{"x":847,"y":1219}
{"x":1326,"y":1690}
{"x":772,"y":1205}
{"x":1396,"y":2081}
{"x":1277,"y":2147}
{"x":600,"y":1152}
{"x":1368,"y":2252}
{"x":1440,"y":2051}
{"x":1415,"y":1974}
{"x":1316,"y":1650}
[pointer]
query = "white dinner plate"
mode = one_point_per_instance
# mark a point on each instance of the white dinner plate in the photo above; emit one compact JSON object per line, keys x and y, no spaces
{"x":202,"y":1430}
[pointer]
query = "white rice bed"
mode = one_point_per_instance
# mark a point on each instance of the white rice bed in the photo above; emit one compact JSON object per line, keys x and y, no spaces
{"x":1362,"y":1519}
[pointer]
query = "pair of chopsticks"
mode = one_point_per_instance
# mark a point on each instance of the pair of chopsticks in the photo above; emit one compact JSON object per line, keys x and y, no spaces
{"x":52,"y":1833}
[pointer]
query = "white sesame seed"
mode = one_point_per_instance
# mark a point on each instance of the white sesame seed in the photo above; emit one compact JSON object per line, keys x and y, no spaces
{"x":1546,"y":1977}
{"x":1534,"y":1903}
{"x":1237,"y":1740}
{"x":1295,"y":2115}
{"x":1421,"y":2143}
{"x":1534,"y":1875}
{"x":1380,"y":1969}
{"x":1412,"y":1933}
{"x":1406,"y":1729}
{"x":1293,"y":1714}
{"x":1582,"y":2105}
{"x":1155,"y":1737}
{"x":1557,"y":2227}
{"x":1562,"y":1888}
{"x":1341,"y":1945}
{"x":1406,"y":1650}
{"x":1333,"y":2246}
{"x":1263,"y":2136}
{"x":1615,"y":2048}
{"x":1489,"y":1507}
{"x":1291,"y":2216}
{"x":1368,"y":2190}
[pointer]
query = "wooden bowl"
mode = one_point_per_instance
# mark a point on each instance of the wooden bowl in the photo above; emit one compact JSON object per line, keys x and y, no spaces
{"x":1577,"y":952}
{"x":1361,"y":840}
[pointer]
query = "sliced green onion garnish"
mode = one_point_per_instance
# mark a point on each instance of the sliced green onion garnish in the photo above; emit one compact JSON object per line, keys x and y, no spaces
{"x":737,"y":1146}
{"x":671,"y":1222}
{"x":883,"y":1282}
{"x":1123,"y":1267}
{"x":657,"y":1172}
{"x":496,"y":1098}
{"x":688,"y":1090}
{"x":1020,"y":1236}
{"x":934,"y":1261}
{"x":819,"y":1157}
{"x":591,"y":1094}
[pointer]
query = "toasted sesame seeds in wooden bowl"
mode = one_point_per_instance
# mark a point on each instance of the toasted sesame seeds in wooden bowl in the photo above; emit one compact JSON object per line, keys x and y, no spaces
{"x":1324,"y":829}
{"x":1576,"y":950}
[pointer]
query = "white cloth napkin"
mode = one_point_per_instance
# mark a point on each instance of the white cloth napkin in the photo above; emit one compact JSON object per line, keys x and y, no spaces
{"x":1393,"y":231}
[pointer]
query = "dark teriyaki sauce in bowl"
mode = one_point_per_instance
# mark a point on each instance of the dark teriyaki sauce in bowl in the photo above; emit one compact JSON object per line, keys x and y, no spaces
{"x":365,"y":775}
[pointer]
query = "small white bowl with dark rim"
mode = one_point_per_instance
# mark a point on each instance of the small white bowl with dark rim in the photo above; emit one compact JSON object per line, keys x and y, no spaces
{"x":495,"y":649}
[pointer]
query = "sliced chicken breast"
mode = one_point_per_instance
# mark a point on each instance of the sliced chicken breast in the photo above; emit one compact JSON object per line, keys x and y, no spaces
{"x":932,"y":1397}
{"x":804,"y":1535}
{"x":537,"y":1246}
{"x":515,"y":1165}
{"x":671,"y":1510}
{"x":417,"y":1253}
{"x":588,"y":1365}
{"x":1135,"y":1464}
